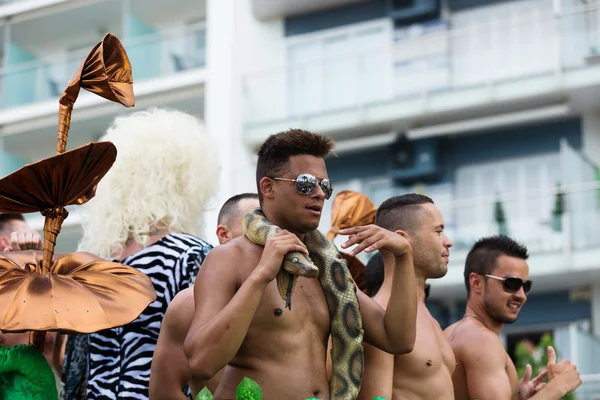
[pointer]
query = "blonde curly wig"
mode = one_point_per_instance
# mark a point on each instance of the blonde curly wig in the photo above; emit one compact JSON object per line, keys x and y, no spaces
{"x":165,"y":173}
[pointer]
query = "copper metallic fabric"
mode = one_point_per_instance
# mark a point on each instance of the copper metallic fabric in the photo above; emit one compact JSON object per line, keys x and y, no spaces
{"x":106,"y":71}
{"x":352,"y":209}
{"x":81,"y":293}
{"x":65,"y":179}
{"x":78,"y":292}
{"x":49,"y":185}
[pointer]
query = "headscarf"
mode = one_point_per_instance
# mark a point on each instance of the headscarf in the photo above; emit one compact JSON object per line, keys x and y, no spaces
{"x":350,"y":209}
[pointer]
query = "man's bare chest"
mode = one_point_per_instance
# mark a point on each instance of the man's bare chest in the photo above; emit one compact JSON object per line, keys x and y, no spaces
{"x":432,"y":352}
{"x":308,"y":308}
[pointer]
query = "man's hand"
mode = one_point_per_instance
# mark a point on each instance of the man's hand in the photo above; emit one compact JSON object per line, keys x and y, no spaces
{"x":527,"y":387}
{"x":563,"y":375}
{"x":276,"y":248}
{"x":372,"y":237}
{"x":24,"y":240}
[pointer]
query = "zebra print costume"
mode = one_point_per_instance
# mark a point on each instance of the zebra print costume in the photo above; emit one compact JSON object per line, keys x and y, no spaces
{"x":118,"y":360}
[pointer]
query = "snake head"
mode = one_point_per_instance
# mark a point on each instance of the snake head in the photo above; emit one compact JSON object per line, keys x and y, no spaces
{"x":300,"y":264}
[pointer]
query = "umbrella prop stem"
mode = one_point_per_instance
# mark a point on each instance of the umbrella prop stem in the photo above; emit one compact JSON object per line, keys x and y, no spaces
{"x":52,"y":224}
{"x":37,"y":339}
{"x":64,"y":122}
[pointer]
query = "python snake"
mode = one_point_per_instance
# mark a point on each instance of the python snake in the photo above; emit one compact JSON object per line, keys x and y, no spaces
{"x":340,"y":293}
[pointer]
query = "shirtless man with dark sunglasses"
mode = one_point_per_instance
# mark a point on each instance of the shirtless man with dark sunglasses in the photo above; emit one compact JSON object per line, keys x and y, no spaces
{"x":497,"y":282}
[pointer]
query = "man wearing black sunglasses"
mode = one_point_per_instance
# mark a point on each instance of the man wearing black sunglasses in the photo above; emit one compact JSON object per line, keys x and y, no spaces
{"x":497,"y":282}
{"x":240,"y":323}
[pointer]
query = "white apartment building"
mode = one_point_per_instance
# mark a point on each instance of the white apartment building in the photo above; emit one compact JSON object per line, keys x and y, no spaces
{"x":487,"y":106}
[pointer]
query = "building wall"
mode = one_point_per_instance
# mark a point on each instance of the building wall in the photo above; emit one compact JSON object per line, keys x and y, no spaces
{"x":466,"y":149}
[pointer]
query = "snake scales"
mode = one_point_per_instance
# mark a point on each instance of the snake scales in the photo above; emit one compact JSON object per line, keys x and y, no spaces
{"x":340,"y":292}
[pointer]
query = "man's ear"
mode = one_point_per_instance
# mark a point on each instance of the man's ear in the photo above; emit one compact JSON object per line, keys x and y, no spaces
{"x":402,"y":233}
{"x":224,"y":234}
{"x":267,"y":187}
{"x":476,"y":282}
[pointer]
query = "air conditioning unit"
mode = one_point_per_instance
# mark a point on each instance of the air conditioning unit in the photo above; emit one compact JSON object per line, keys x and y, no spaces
{"x":413,"y":161}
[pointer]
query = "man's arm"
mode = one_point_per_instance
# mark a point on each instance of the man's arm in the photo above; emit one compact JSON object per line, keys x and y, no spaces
{"x":484,"y":361}
{"x":394,"y":330}
{"x":170,"y":371}
{"x":223,"y":315}
{"x":378,"y":378}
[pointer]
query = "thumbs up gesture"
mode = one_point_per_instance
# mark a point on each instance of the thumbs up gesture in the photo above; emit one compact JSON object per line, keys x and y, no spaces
{"x":562,"y":375}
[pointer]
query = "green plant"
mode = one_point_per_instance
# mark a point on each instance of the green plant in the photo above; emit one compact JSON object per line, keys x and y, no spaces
{"x":559,"y":201}
{"x":559,"y":209}
{"x":499,"y":216}
{"x":524,"y":356}
{"x":246,"y":390}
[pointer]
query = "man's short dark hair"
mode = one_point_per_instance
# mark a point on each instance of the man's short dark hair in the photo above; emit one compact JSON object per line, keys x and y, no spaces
{"x":483,"y":256}
{"x":232,"y":207}
{"x":275,"y":152}
{"x":374,"y":274}
{"x":401,"y":212}
{"x":6,"y":219}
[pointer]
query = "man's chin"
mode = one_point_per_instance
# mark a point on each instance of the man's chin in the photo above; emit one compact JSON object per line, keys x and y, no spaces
{"x":439,"y":273}
{"x":307,"y":228}
{"x":507,"y":319}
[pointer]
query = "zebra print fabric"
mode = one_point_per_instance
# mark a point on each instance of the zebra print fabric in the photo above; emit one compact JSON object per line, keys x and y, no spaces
{"x":119,"y":359}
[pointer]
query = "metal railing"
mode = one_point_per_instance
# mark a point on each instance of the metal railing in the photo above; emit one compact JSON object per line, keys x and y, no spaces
{"x":158,"y":54}
{"x":546,"y":219}
{"x":487,"y":55}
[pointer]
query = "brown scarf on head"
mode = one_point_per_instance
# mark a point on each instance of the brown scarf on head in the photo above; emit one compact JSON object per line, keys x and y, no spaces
{"x":352,"y":209}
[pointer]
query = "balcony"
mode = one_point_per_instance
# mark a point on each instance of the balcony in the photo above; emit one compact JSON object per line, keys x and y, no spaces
{"x":372,"y":76}
{"x":267,"y":9}
{"x":549,"y":201}
{"x":560,"y":225}
{"x":152,"y":56}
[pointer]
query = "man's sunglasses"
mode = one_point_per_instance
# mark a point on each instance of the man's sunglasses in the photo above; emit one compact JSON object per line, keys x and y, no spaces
{"x":512,"y":284}
{"x":307,"y":183}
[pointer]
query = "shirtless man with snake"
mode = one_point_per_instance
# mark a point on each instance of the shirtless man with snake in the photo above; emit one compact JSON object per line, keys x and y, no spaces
{"x":240,"y":323}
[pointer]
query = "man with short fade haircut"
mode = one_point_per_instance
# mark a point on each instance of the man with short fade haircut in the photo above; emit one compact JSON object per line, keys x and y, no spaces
{"x":230,"y":217}
{"x":497,"y":282}
{"x":240,"y":324}
{"x":170,"y":372}
{"x":426,"y":372}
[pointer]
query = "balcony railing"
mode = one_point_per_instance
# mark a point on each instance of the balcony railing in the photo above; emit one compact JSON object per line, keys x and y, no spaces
{"x":499,"y":55}
{"x":549,"y":202}
{"x":154,"y":55}
{"x":545,"y":220}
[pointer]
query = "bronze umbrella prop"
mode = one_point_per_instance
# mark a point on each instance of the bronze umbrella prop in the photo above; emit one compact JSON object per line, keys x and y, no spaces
{"x":81,"y":293}
{"x":87,"y":290}
{"x":48,"y":186}
{"x":106,"y":71}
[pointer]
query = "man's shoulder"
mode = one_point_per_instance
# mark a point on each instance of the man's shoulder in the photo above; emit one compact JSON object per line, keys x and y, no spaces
{"x":240,"y":246}
{"x":180,"y":312}
{"x":238,"y":253}
{"x":475,"y":342}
